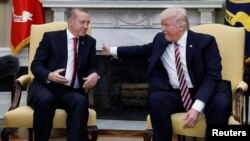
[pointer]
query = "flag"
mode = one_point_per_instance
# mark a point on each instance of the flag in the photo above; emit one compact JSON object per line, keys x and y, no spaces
{"x":238,"y":15}
{"x":24,"y":14}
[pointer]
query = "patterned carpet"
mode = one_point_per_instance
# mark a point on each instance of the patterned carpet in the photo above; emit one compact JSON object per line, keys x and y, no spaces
{"x":119,"y":139}
{"x":99,"y":139}
{"x":119,"y":135}
{"x":104,"y":135}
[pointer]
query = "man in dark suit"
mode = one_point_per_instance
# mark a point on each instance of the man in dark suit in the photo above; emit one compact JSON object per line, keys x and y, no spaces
{"x":55,"y":83}
{"x":201,"y":63}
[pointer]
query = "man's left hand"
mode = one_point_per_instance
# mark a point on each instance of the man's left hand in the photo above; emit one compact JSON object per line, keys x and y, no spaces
{"x":191,"y":118}
{"x":91,"y":80}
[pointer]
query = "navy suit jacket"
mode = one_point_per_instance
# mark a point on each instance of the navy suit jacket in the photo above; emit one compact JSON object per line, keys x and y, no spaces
{"x":203,"y":62}
{"x":52,"y":54}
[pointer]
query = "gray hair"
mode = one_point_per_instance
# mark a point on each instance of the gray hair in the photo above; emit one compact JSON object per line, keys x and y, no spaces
{"x":70,"y":13}
{"x":179,"y":14}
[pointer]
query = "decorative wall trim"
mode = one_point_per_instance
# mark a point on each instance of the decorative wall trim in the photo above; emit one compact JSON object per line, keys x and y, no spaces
{"x":4,"y":0}
{"x":135,"y":21}
{"x":207,"y":15}
{"x":134,"y":4}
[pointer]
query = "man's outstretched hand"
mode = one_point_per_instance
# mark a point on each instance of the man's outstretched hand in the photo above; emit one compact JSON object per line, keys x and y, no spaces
{"x":105,"y":49}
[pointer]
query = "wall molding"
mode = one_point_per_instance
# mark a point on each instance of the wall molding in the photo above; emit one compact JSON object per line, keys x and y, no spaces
{"x":136,"y":21}
{"x":133,"y":3}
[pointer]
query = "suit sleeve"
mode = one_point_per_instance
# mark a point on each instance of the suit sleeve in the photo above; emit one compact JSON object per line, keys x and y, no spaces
{"x":212,"y":73}
{"x":40,"y":60}
{"x":92,"y":59}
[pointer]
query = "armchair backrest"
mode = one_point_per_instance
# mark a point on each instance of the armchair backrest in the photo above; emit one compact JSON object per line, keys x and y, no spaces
{"x":36,"y":34}
{"x":231,"y":41}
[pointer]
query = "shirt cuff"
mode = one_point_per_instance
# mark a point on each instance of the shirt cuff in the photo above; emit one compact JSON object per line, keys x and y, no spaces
{"x":113,"y":52}
{"x":198,"y":105}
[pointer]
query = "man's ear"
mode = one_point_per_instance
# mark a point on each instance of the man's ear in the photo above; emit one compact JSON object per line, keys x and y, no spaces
{"x":181,"y":27}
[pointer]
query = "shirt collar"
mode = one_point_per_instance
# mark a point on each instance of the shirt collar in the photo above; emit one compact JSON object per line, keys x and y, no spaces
{"x":69,"y":35}
{"x":183,"y":40}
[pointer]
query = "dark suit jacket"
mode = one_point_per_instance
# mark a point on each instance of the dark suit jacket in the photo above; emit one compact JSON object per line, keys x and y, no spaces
{"x":52,"y":55}
{"x":203,"y":62}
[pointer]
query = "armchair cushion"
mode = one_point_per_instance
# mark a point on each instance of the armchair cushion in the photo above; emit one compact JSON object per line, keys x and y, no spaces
{"x":197,"y":131}
{"x":25,"y":118}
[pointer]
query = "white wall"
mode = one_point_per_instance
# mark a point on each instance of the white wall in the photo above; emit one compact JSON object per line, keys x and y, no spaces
{"x":5,"y":100}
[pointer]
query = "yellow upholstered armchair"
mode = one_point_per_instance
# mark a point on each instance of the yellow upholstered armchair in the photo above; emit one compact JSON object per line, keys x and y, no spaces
{"x":231,"y":45}
{"x":22,"y":116}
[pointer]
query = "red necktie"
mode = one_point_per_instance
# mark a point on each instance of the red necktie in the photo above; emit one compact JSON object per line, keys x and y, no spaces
{"x":185,"y":95}
{"x":75,"y":62}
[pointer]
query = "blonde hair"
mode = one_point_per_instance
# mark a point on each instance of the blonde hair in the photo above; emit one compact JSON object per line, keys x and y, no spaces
{"x":179,"y":15}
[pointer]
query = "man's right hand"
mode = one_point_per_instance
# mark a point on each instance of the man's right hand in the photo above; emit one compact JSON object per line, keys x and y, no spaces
{"x":105,"y":49}
{"x":56,"y":77}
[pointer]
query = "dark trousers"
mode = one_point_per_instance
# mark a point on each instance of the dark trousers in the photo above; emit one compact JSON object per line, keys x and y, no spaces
{"x":162,"y":104}
{"x":44,"y":101}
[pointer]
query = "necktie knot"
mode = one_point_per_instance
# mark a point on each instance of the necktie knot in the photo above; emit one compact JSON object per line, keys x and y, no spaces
{"x":75,"y":41}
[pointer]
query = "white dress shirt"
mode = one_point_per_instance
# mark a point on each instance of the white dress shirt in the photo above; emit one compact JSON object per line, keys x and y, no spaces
{"x":168,"y":61}
{"x":70,"y":61}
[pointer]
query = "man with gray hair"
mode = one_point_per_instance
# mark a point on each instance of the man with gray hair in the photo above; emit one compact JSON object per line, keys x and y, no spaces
{"x":64,"y":68}
{"x":184,"y":75}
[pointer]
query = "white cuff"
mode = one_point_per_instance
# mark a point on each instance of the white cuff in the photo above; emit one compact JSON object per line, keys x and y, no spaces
{"x":198,"y":105}
{"x":113,"y":52}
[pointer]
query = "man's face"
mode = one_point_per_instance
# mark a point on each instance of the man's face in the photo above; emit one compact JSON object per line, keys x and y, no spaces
{"x":79,"y":25}
{"x":171,"y":29}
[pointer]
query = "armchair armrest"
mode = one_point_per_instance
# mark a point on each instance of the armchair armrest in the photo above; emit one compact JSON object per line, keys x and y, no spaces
{"x":24,"y":79}
{"x":242,"y":85}
{"x":19,"y":82}
{"x":238,"y":101}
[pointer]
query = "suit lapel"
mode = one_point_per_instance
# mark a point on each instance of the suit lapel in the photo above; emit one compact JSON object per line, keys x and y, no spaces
{"x":82,"y":50}
{"x":63,"y":46}
{"x":190,"y":47}
{"x":162,"y":46}
{"x":157,"y":52}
